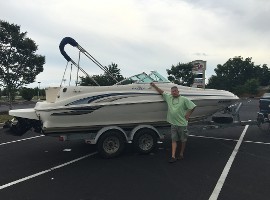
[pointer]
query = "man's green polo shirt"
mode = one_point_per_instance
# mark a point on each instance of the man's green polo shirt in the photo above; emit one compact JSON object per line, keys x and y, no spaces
{"x":177,"y":108}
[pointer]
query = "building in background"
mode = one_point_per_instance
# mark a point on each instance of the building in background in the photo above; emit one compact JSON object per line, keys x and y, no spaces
{"x":199,"y":67}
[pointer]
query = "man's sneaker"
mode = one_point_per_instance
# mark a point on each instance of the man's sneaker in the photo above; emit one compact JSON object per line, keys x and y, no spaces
{"x":172,"y":160}
{"x":180,"y":157}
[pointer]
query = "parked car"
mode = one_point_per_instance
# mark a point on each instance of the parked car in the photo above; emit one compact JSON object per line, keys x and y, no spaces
{"x":264,"y":106}
{"x":264,"y":103}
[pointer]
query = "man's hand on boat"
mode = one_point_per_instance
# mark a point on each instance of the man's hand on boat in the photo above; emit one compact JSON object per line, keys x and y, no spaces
{"x":160,"y":91}
{"x":152,"y":84}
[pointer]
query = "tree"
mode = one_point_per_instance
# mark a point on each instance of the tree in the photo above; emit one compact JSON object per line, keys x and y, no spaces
{"x":236,"y":72}
{"x":250,"y":87}
{"x":19,"y":65}
{"x":181,"y":74}
{"x":40,"y":92}
{"x":115,"y":72}
{"x":265,"y":75}
{"x":104,"y":79}
{"x":27,"y":93}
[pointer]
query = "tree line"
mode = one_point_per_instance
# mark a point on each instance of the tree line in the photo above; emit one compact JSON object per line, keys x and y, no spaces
{"x":25,"y":93}
{"x":238,"y":75}
{"x":19,"y":65}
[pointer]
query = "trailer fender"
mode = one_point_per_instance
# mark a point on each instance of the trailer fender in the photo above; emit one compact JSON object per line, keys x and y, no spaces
{"x":104,"y":129}
{"x":133,"y":132}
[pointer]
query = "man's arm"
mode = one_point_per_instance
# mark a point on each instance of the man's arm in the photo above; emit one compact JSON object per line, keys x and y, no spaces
{"x":160,"y":91}
{"x":189,"y":112}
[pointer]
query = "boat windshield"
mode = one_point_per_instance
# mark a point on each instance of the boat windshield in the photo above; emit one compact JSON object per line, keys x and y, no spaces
{"x":144,"y":78}
{"x":157,"y":77}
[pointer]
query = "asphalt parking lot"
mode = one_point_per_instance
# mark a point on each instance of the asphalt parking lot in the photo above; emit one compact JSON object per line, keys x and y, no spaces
{"x":231,"y":163}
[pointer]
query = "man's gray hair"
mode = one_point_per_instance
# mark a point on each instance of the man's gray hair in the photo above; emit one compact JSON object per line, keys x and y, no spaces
{"x":174,"y":87}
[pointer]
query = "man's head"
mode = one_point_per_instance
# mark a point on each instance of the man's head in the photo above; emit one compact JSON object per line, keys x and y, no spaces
{"x":174,"y":91}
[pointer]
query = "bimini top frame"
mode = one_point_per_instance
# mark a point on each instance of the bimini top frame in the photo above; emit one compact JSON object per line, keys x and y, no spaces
{"x":72,"y":42}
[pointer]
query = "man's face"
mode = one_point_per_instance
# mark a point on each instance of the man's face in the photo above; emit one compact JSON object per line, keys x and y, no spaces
{"x":175,"y":92}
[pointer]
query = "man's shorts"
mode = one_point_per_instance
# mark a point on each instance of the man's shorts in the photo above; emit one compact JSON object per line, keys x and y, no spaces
{"x":179,"y":133}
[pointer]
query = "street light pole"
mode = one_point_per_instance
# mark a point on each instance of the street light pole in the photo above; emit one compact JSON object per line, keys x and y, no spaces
{"x":38,"y":89}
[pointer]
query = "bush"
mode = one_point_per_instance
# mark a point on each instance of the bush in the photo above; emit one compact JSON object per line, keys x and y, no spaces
{"x":252,"y":86}
{"x":27,"y":93}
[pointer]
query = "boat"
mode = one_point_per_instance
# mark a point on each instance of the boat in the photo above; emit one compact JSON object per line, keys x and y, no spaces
{"x":126,"y":104}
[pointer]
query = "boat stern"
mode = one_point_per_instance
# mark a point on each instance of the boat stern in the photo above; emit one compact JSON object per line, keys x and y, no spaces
{"x":23,"y":121}
{"x":28,"y":113}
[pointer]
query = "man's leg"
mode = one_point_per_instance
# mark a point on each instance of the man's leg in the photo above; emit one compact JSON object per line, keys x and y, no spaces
{"x":184,"y":136}
{"x":174,"y":146}
{"x":182,"y":150}
{"x":175,"y":138}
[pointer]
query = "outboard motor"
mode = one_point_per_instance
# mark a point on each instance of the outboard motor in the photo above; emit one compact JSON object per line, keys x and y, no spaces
{"x":19,"y":126}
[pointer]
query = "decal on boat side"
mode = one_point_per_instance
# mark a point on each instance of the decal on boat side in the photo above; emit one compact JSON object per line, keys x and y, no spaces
{"x":138,"y":88}
{"x":224,"y":101}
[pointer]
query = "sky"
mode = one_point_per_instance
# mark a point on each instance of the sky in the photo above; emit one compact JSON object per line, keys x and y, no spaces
{"x":142,"y":35}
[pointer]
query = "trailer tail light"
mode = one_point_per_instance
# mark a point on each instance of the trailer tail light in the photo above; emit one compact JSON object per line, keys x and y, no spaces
{"x":62,"y":138}
{"x":88,"y":142}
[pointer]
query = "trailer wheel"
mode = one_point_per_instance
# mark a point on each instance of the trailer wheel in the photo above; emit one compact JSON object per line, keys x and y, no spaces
{"x":145,"y":141}
{"x":111,"y":144}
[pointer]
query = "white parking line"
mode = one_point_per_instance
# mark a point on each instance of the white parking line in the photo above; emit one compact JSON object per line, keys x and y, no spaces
{"x":228,"y":139}
{"x":45,"y":171}
{"x":14,"y":141}
{"x":216,"y":138}
{"x":226,"y":169}
{"x":247,"y":141}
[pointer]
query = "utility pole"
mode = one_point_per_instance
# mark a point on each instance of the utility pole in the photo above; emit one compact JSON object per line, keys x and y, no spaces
{"x":38,"y":89}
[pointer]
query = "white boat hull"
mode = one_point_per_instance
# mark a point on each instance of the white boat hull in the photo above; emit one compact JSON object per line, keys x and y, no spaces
{"x":127,"y":116}
{"x":124,"y":106}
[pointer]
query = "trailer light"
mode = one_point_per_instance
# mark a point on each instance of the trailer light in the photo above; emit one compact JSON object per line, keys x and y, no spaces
{"x":88,"y":142}
{"x":62,"y":138}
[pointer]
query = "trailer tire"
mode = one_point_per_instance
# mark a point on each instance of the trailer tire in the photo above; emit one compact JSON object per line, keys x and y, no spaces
{"x":111,"y":143}
{"x":145,"y":141}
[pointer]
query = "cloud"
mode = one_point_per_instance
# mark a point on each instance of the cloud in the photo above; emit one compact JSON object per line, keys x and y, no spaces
{"x":200,"y":54}
{"x":143,"y":35}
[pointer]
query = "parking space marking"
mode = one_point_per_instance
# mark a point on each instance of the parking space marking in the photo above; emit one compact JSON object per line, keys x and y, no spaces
{"x":227,"y":167}
{"x":247,"y":141}
{"x":14,"y":141}
{"x":216,"y":138}
{"x":228,"y":139}
{"x":45,"y":171}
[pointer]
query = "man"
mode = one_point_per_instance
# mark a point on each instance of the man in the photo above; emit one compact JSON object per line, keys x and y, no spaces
{"x":179,"y":111}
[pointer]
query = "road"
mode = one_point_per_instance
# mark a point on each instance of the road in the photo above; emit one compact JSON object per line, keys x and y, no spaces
{"x":26,"y":104}
{"x":231,"y":163}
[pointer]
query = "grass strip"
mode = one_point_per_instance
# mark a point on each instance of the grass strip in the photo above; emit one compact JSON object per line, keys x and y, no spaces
{"x":4,"y":117}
